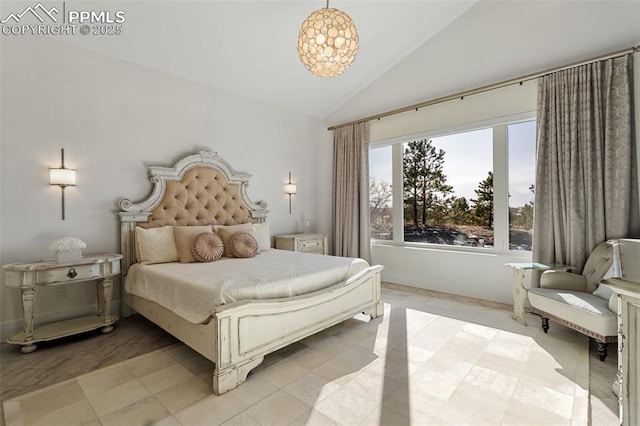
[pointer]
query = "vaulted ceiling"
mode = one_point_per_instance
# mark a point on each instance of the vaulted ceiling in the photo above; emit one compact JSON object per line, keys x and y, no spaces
{"x":410,"y":51}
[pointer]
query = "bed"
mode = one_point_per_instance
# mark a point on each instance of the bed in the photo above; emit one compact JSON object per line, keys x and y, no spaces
{"x":237,"y":328}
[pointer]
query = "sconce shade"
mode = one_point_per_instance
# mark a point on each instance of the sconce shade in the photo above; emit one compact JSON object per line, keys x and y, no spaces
{"x":327,"y":42}
{"x":62,"y":177}
{"x":290,"y":188}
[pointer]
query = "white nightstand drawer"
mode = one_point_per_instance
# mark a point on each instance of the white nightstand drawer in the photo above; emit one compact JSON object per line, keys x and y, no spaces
{"x":68,"y":273}
{"x":316,"y":251}
{"x":311,"y":245}
{"x":305,"y":243}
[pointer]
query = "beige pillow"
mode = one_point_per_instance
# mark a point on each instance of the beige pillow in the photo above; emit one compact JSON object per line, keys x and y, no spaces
{"x":185,"y":236}
{"x":207,"y":247}
{"x":243,"y":244}
{"x":156,"y":245}
{"x":226,"y":232}
{"x":261,"y":232}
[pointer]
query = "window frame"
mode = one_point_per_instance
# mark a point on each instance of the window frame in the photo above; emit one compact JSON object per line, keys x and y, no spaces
{"x":500,"y":182}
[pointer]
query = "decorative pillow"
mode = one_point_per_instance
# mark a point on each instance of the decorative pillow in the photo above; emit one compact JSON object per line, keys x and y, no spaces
{"x":243,"y":244}
{"x":207,"y":247}
{"x":603,"y":291}
{"x":244,"y":227}
{"x":225,"y":232}
{"x":261,"y":232}
{"x":156,"y":245}
{"x":185,"y":236}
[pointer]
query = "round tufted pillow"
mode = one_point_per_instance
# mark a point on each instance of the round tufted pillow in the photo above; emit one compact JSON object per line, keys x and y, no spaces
{"x":243,"y":244}
{"x":207,"y":247}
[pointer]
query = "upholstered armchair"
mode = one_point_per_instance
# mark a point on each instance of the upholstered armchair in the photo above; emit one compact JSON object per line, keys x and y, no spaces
{"x":577,"y":301}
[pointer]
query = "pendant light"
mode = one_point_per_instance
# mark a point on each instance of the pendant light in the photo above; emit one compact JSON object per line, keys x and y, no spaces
{"x":327,"y":42}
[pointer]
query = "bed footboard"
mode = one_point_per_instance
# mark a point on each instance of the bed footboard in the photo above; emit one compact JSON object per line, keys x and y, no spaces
{"x":247,"y":331}
{"x":238,"y":336}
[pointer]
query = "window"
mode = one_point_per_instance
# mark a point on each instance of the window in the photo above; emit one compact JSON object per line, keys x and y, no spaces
{"x":448,"y":189}
{"x":380,"y":193}
{"x":522,"y":153}
{"x":447,"y":192}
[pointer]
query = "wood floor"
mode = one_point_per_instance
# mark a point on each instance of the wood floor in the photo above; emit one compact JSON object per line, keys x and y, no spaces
{"x":63,"y":359}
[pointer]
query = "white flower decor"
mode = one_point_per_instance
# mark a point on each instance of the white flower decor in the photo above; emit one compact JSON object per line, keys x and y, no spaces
{"x":68,"y":249}
{"x":65,"y":244}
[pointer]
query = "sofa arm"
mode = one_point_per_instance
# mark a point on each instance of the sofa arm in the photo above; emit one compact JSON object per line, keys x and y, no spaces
{"x":562,"y":280}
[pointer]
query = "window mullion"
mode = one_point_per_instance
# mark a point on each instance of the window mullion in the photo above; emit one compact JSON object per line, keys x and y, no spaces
{"x":398,"y":197}
{"x":500,"y":189}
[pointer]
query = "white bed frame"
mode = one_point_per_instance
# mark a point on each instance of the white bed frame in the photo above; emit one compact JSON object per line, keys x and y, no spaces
{"x":237,"y":336}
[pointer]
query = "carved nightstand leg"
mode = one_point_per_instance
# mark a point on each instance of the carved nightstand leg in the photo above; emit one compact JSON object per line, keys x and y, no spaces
{"x":100,"y":291}
{"x":107,"y":291}
{"x":27,"y":349}
{"x":519,"y":295}
{"x":28,"y":305}
{"x":602,"y":349}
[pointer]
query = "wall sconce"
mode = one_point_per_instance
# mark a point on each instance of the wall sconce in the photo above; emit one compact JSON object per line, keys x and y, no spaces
{"x":290,"y":189}
{"x":62,"y":177}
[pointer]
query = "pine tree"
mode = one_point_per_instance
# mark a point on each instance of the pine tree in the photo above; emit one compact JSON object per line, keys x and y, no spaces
{"x":425,"y":184}
{"x":459,"y":212}
{"x":483,"y":204}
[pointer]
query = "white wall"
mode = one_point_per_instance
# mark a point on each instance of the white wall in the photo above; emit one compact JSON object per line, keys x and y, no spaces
{"x":503,"y":102}
{"x":114,"y":119}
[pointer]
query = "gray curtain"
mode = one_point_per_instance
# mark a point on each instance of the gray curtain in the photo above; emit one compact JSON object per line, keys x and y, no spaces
{"x":586,"y":190}
{"x":351,"y":191}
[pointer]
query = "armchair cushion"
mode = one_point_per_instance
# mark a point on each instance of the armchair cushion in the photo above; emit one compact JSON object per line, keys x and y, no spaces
{"x":586,"y":310}
{"x":563,"y":280}
{"x":599,"y":262}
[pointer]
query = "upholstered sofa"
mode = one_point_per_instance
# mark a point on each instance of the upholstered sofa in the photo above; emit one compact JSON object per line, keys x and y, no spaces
{"x":578,"y":302}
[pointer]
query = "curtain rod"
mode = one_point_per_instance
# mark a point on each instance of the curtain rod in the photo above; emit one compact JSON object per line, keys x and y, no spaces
{"x":486,"y":88}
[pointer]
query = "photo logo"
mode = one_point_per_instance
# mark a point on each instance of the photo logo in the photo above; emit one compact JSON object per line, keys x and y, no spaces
{"x":16,"y":17}
{"x":43,"y":20}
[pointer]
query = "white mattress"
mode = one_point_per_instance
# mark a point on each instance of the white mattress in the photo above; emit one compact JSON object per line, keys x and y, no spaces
{"x":191,"y":290}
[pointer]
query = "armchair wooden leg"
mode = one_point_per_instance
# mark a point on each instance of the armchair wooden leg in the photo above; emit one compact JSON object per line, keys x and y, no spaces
{"x":545,"y":324}
{"x":602,"y":349}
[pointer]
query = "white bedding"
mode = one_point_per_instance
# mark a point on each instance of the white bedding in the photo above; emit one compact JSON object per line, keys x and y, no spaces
{"x":191,"y":290}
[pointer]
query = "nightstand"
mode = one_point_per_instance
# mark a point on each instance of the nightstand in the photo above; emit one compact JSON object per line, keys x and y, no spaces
{"x":26,"y":276}
{"x":306,"y":243}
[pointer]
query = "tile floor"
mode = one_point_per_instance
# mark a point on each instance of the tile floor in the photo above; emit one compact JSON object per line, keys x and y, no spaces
{"x":429,"y":360}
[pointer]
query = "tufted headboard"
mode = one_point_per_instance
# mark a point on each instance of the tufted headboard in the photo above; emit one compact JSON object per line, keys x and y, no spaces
{"x":201,"y":189}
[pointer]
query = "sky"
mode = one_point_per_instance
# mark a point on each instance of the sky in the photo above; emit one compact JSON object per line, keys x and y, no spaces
{"x":469,"y":158}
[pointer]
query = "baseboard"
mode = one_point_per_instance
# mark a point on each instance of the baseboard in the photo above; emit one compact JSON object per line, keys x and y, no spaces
{"x":445,"y":295}
{"x":9,"y":328}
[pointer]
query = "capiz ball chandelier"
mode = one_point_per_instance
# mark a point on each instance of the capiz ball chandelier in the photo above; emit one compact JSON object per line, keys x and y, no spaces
{"x":327,"y":42}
